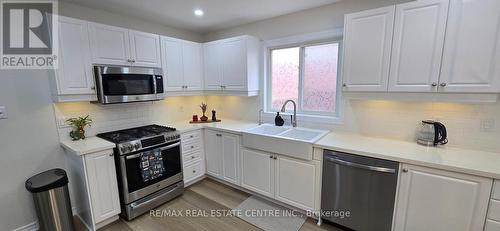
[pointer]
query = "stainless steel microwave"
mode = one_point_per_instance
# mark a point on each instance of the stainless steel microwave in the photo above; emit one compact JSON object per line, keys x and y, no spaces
{"x":121,"y":84}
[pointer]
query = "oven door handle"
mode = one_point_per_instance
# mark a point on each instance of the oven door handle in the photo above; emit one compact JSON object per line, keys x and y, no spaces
{"x":171,"y":146}
{"x":132,"y":156}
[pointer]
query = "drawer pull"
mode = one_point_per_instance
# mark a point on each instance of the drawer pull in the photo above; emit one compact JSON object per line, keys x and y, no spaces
{"x":192,"y":146}
{"x":194,"y":171}
{"x":191,"y":136}
{"x":192,"y":157}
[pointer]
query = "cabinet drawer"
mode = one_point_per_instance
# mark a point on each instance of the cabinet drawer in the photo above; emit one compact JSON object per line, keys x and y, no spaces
{"x":193,"y":171}
{"x":492,"y":225}
{"x":192,"y":156}
{"x":190,"y":146}
{"x":191,"y":136}
{"x":494,"y":210}
{"x":496,"y":190}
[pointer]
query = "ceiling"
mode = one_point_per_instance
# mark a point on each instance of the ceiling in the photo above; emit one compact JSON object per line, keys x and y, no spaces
{"x":219,"y":14}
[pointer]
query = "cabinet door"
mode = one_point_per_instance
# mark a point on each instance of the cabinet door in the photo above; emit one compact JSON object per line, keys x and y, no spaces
{"x":213,"y":154}
{"x":417,"y":46}
{"x":192,"y":55}
{"x":471,"y":58}
{"x":74,"y":75}
{"x":212,"y":66}
{"x":297,"y":182}
{"x":234,"y":68}
{"x":230,"y":158}
{"x":257,"y":171}
{"x":109,"y":44}
{"x":103,"y":187}
{"x":145,"y":49}
{"x":172,"y":65}
{"x":367,"y":49}
{"x":431,"y":199}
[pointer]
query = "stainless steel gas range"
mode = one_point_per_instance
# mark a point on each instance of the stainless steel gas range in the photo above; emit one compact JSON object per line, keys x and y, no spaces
{"x":148,"y":165}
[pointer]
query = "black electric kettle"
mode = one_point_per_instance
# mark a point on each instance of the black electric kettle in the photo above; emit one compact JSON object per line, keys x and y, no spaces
{"x":432,"y":133}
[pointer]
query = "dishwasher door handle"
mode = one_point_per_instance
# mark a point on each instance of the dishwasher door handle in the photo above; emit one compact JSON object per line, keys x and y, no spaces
{"x":362,"y":166}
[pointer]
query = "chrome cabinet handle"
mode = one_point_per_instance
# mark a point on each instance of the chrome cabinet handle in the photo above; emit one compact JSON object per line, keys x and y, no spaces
{"x":434,"y":84}
{"x":361,"y":166}
{"x":442,"y":84}
{"x":194,"y":171}
{"x":271,"y":156}
{"x":218,"y":134}
{"x":111,"y":154}
{"x":405,"y":170}
{"x":275,"y":157}
{"x":344,"y":85}
{"x":192,"y":146}
{"x":133,"y":60}
{"x":191,"y":136}
{"x":92,"y":88}
{"x":192,"y":157}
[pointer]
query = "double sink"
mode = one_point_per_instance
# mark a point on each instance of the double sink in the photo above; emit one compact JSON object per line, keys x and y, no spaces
{"x":290,"y":141}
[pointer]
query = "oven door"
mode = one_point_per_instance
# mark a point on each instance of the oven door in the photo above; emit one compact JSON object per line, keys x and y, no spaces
{"x":127,"y":84}
{"x":148,"y":171}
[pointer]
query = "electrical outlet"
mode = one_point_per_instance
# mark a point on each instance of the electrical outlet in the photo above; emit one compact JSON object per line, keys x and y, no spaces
{"x":3,"y":112}
{"x":61,"y":122}
{"x":488,"y":125}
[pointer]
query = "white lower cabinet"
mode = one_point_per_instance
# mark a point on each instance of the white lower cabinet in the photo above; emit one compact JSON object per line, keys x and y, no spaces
{"x":257,"y":171}
{"x":102,"y":184}
{"x":297,"y":181}
{"x":438,"y":200}
{"x":292,"y":181}
{"x":193,"y":156}
{"x":222,"y":155}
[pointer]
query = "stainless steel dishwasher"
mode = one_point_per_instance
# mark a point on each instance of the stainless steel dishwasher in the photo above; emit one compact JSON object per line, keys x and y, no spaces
{"x":363,"y":186}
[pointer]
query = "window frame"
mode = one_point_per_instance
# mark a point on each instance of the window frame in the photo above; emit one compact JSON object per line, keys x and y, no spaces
{"x":305,"y":115}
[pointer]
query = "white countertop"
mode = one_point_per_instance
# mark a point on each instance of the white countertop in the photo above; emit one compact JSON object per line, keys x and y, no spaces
{"x":86,"y":146}
{"x":448,"y":158}
{"x":454,"y":159}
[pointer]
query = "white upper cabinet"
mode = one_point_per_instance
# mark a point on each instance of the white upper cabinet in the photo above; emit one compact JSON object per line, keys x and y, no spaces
{"x":121,"y":46}
{"x":182,"y":65}
{"x":212,"y":53}
{"x":74,"y":74}
{"x":109,"y":44}
{"x":431,"y":199}
{"x":232,"y":65}
{"x":192,"y":64}
{"x":145,"y":49}
{"x":419,"y":31}
{"x":367,"y":49}
{"x":471,"y":58}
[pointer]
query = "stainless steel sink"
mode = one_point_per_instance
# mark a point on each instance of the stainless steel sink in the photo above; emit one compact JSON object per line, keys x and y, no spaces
{"x":290,"y":141}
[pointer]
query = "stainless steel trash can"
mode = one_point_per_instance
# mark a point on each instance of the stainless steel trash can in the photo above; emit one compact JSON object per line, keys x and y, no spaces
{"x":52,"y":202}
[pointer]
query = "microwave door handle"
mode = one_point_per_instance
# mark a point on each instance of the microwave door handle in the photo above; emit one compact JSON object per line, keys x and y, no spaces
{"x":154,"y":84}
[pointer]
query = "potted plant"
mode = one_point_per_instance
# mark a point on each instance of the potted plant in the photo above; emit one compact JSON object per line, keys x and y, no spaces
{"x":79,"y":125}
{"x":203,"y":107}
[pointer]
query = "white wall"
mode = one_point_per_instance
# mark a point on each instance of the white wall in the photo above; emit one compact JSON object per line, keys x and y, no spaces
{"x":302,"y":22}
{"x":28,"y":142}
{"x":101,"y":16}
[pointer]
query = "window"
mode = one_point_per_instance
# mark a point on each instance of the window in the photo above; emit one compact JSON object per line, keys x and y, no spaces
{"x":306,"y":74}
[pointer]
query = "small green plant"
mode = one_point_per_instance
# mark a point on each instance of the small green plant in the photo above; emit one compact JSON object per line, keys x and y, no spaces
{"x":79,"y":125}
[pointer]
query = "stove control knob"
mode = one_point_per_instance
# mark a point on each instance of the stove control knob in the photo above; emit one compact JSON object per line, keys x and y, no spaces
{"x":137,"y":146}
{"x":123,"y":149}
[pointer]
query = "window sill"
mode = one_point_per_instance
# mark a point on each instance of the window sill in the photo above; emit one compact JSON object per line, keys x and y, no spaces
{"x":301,"y":118}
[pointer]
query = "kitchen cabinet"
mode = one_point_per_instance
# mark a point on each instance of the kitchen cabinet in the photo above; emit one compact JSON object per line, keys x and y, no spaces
{"x":212,"y":153}
{"x":431,"y":199}
{"x":193,"y":156}
{"x":222,"y":154}
{"x":257,"y":171}
{"x":367,"y":49}
{"x":102,"y":183}
{"x":182,"y":65}
{"x":232,"y":65}
{"x":145,"y":49}
{"x":419,"y":31}
{"x":73,"y":80}
{"x":120,"y":46}
{"x":289,"y":180}
{"x":297,"y":182}
{"x":471,"y":56}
